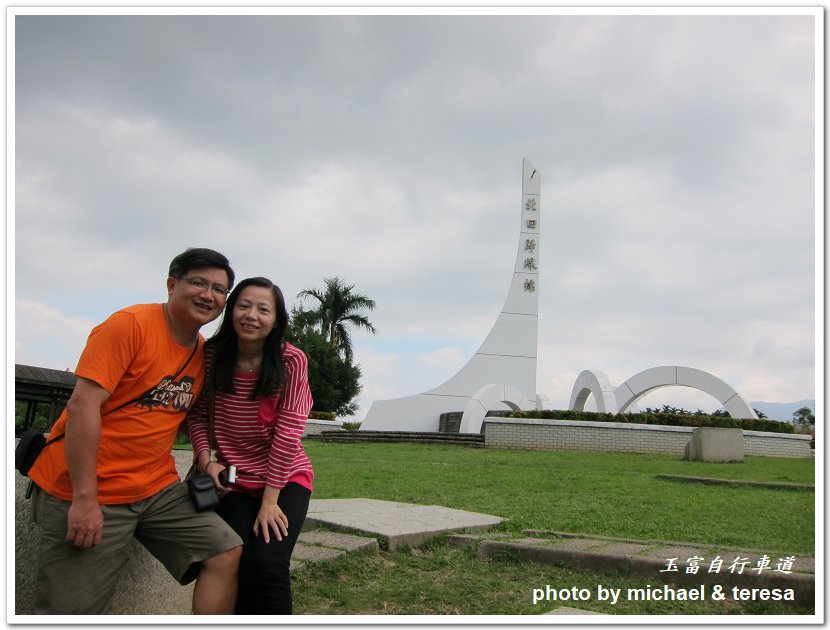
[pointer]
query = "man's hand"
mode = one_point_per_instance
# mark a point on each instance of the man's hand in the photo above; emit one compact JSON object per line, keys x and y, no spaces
{"x":84,"y":524}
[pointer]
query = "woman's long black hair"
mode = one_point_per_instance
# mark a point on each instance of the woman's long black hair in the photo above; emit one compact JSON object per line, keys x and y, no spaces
{"x":225,"y":344}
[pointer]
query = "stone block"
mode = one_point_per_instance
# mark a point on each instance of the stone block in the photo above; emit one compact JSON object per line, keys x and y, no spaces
{"x":712,"y":444}
{"x":144,"y":588}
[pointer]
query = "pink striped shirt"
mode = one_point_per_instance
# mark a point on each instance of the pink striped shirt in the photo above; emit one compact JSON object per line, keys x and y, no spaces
{"x":261,"y":454}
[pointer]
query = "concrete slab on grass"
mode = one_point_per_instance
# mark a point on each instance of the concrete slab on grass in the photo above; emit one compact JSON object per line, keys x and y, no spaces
{"x":680,"y":555}
{"x":575,"y":544}
{"x":653,"y":565}
{"x":337,"y":540}
{"x":531,"y":541}
{"x":398,"y":523}
{"x":620,"y":549}
{"x":565,"y":610}
{"x":320,"y":545}
{"x":311,"y":553}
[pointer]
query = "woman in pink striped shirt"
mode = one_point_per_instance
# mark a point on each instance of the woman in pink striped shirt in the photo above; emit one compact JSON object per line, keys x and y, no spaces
{"x":261,"y":402}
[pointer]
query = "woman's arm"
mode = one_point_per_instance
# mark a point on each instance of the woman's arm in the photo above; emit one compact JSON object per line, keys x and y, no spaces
{"x":291,"y":417}
{"x":197,"y":420}
{"x":199,"y":430}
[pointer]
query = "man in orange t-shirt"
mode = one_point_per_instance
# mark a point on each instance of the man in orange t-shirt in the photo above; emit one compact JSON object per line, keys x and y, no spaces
{"x":113,"y":477}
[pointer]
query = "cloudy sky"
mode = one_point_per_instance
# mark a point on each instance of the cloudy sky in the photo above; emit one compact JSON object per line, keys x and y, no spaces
{"x":677,"y":154}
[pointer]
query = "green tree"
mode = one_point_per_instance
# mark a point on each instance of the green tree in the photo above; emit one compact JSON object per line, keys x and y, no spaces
{"x":674,"y":410}
{"x":804,"y":418}
{"x":39,"y":417}
{"x":334,"y":380}
{"x":338,"y":308}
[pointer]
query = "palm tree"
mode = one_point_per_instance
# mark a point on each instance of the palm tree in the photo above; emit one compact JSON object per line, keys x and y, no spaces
{"x":338,"y":308}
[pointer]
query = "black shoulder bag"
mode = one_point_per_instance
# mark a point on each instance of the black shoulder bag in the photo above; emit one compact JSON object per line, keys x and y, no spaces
{"x":31,"y":443}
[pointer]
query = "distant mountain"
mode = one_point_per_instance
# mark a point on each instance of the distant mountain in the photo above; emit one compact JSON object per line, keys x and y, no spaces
{"x":782,"y":411}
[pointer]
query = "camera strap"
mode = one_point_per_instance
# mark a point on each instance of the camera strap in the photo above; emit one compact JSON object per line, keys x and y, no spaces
{"x":52,"y":440}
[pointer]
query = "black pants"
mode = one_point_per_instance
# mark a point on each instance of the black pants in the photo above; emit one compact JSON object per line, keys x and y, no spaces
{"x":264,"y":569}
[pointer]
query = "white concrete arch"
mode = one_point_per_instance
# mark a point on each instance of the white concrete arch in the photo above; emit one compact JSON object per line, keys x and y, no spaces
{"x":487,"y":398}
{"x":647,"y":381}
{"x":596,"y":383}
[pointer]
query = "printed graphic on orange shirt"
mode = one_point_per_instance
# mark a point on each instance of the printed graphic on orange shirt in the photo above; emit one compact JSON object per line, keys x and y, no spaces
{"x":169,"y":394}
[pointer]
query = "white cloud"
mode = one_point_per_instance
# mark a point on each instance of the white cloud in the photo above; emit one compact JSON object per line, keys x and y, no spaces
{"x":45,"y":337}
{"x":676,"y":153}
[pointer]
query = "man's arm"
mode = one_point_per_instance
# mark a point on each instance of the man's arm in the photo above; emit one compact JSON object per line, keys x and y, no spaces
{"x":85,"y":521}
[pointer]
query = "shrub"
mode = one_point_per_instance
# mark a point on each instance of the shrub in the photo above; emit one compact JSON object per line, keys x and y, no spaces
{"x":182,"y":439}
{"x":659,"y":418}
{"x":322,"y":415}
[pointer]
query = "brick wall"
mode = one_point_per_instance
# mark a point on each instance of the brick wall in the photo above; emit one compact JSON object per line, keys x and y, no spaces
{"x":450,"y":422}
{"x":776,"y":444}
{"x":571,"y":435}
{"x":315,"y":427}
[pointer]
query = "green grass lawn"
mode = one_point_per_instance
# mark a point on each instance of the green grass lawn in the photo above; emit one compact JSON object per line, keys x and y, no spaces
{"x":607,"y":494}
{"x":604,"y":494}
{"x":437,"y":579}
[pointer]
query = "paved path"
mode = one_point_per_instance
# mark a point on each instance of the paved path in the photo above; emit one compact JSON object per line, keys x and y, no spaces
{"x":362,"y":523}
{"x":319,"y":545}
{"x":656,"y":553}
{"x":396,"y":524}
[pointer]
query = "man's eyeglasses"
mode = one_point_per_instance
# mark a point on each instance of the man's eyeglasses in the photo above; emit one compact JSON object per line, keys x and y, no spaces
{"x":200,"y":283}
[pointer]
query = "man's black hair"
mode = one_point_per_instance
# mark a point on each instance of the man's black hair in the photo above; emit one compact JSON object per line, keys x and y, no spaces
{"x":200,"y":258}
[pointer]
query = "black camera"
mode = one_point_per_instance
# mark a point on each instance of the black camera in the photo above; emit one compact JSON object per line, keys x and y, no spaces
{"x":228,"y":476}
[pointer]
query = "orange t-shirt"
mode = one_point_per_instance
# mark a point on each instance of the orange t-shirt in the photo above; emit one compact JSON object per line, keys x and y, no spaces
{"x":131,"y":355}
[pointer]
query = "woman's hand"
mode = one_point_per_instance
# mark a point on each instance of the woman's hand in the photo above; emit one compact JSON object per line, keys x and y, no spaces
{"x":214,"y":469}
{"x":270,"y":516}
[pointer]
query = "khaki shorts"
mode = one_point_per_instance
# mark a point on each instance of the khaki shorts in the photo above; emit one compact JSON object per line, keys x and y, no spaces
{"x":73,"y":580}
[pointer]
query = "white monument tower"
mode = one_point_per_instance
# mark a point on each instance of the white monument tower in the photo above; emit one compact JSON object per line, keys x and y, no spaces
{"x":503,"y":370}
